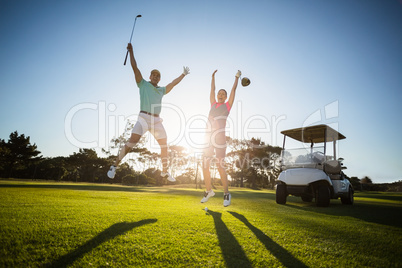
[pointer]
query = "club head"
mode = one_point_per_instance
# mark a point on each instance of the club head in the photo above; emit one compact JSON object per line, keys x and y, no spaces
{"x":245,"y":82}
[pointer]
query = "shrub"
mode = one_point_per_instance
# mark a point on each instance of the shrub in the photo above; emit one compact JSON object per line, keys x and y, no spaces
{"x":142,"y":179}
{"x":139,"y":179}
{"x":129,"y":180}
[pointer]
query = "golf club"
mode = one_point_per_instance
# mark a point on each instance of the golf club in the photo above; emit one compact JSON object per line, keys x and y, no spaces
{"x":132,"y":31}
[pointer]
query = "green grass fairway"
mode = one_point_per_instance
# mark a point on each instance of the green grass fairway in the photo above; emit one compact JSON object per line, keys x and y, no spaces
{"x":91,"y":225}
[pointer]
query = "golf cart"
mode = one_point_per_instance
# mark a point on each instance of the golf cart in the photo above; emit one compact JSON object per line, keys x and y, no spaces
{"x":312,"y":172}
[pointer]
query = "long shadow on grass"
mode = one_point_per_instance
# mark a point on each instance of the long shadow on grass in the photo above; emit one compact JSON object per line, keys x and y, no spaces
{"x":70,"y":186}
{"x":279,"y":252}
{"x":97,"y":187}
{"x":232,"y":252}
{"x":108,"y":234}
{"x":370,"y":212}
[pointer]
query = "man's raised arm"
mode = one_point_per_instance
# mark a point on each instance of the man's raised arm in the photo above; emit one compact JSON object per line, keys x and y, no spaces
{"x":170,"y":86}
{"x":137,"y":73}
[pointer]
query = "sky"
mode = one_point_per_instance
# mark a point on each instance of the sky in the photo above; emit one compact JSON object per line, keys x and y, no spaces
{"x":63,"y":82}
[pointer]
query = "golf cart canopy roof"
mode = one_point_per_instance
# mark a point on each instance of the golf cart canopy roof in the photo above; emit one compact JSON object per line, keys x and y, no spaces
{"x":314,"y":134}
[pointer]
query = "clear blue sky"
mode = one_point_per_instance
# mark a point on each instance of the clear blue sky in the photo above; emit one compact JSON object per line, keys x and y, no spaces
{"x":63,"y":82}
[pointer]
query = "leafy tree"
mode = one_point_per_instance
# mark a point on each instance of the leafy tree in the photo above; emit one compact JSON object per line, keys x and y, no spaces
{"x":17,"y":154}
{"x":128,"y":180}
{"x":90,"y":167}
{"x":252,"y":161}
{"x":366,"y":183}
{"x":238,"y":166}
{"x":4,"y":153}
{"x":197,"y":163}
{"x":137,"y":179}
{"x":124,"y":169}
{"x":142,"y":159}
{"x":187,"y":177}
{"x":366,"y":180}
{"x":147,"y":159}
{"x":355,"y":183}
{"x":53,"y":169}
{"x":178,"y":159}
{"x":155,"y":176}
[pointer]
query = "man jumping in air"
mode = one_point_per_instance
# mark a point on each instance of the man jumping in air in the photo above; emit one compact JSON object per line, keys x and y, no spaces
{"x":148,"y":119}
{"x":216,"y":138}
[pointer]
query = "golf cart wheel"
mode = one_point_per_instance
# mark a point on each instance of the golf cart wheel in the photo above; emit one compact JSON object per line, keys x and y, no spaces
{"x":307,"y":198}
{"x":281,"y":194}
{"x":322,"y":197}
{"x":349,"y":199}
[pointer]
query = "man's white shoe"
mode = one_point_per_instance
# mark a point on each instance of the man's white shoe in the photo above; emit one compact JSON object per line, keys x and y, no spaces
{"x":112,"y":172}
{"x":226,"y":199}
{"x":167,"y":176}
{"x":207,"y":195}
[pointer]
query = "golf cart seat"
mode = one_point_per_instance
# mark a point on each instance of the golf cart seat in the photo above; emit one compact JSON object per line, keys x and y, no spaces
{"x":332,"y":167}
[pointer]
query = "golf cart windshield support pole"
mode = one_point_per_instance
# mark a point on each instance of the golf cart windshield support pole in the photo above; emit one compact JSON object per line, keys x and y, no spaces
{"x":284,"y":139}
{"x":283,"y":147}
{"x":335,"y":149}
{"x":311,"y":147}
{"x":325,"y":144}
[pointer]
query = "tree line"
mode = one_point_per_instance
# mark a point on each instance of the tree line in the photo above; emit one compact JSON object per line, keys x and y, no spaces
{"x":250,"y":163}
